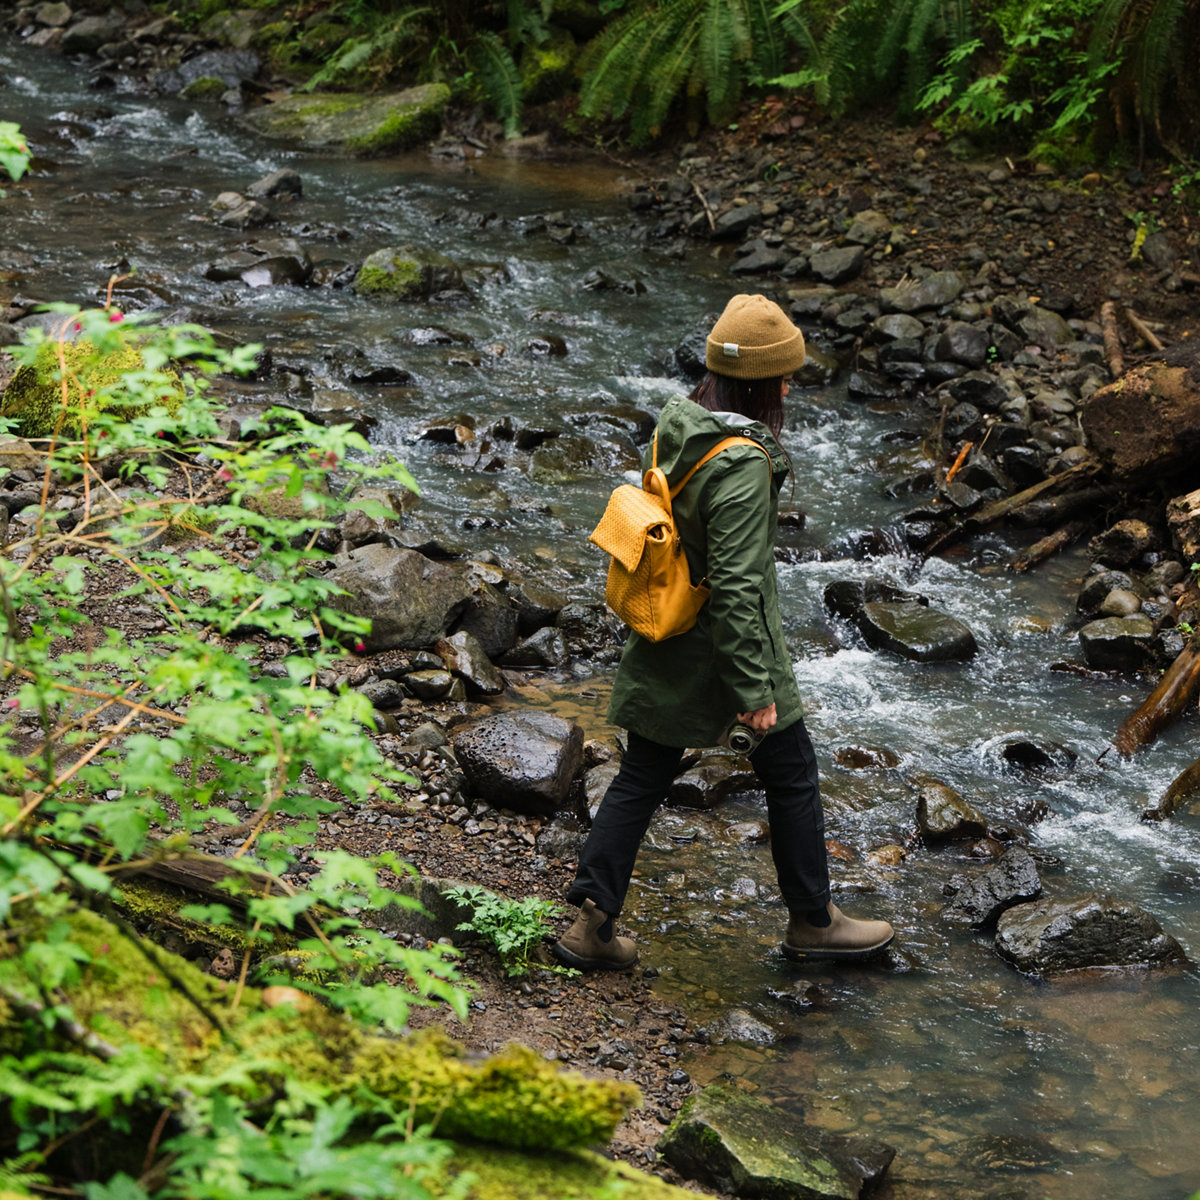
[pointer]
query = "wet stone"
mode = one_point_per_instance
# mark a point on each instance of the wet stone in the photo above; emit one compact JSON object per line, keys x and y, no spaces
{"x":916,"y":632}
{"x":464,"y":656}
{"x":429,"y":685}
{"x":896,"y":327}
{"x":524,"y":761}
{"x":838,"y":265}
{"x":710,"y":782}
{"x":865,"y":758}
{"x":1083,"y":931}
{"x":963,"y":343}
{"x":749,"y":833}
{"x":1122,"y":544}
{"x":741,"y":1146}
{"x":284,"y":182}
{"x":1013,"y":880}
{"x":543,"y":650}
{"x":383,"y":693}
{"x":1096,"y":586}
{"x":943,"y":815}
{"x":1118,"y":643}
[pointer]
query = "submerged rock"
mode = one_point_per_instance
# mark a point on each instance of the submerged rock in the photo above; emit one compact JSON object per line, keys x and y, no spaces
{"x":523,"y":761}
{"x":1083,"y":931}
{"x":354,"y":123}
{"x":742,"y":1146}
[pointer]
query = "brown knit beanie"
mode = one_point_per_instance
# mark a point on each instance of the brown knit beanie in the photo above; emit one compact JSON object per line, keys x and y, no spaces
{"x":753,"y":339}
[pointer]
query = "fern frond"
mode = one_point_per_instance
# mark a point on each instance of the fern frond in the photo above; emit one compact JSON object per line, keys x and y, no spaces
{"x":499,"y":79}
{"x":724,"y":38}
{"x":388,"y":42}
{"x":1154,"y":55}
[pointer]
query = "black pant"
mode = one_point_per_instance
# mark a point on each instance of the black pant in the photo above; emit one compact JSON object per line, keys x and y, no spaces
{"x":787,"y":766}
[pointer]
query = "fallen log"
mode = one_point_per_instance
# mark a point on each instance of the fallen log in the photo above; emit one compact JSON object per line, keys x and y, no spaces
{"x":1047,"y":547}
{"x":1142,"y":330}
{"x":1113,"y":353}
{"x":1177,"y":689}
{"x":1183,"y":790}
{"x":1069,"y":480}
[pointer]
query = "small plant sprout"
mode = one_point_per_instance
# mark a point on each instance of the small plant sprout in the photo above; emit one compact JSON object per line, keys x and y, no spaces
{"x":512,"y":928}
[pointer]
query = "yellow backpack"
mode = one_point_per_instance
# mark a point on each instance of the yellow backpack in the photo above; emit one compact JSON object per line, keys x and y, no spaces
{"x":649,"y":586}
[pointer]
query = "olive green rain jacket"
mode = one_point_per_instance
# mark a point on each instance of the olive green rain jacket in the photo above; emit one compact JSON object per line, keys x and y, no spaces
{"x":687,"y":690}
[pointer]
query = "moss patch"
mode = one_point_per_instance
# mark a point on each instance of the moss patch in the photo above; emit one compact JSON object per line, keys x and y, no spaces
{"x":207,"y":87}
{"x":356,"y":124}
{"x":96,"y":383}
{"x":509,"y":1175}
{"x":546,"y":70}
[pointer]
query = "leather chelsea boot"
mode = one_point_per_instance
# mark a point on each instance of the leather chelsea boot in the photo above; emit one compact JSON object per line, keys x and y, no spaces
{"x":592,"y":944}
{"x":843,"y":938}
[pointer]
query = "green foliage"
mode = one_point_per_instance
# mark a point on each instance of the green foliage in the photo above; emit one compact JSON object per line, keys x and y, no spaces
{"x":705,"y":50}
{"x":118,"y":747}
{"x":14,"y":151}
{"x":512,"y":928}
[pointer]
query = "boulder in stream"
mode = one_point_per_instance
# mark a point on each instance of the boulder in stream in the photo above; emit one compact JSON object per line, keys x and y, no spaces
{"x":1118,"y":643}
{"x":943,"y":815}
{"x":915,"y":631}
{"x":715,"y":778}
{"x":407,"y":273}
{"x":265,"y":262}
{"x":1083,"y":931}
{"x":358,"y":124}
{"x":410,"y":600}
{"x":740,"y":1145}
{"x":523,"y":761}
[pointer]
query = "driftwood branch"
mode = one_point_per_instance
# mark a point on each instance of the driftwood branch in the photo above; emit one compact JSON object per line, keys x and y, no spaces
{"x":1183,"y":790}
{"x":1047,"y":547}
{"x":1113,"y":353}
{"x":1011,"y":507}
{"x":1142,"y":330}
{"x":708,"y":212}
{"x":1177,"y":689}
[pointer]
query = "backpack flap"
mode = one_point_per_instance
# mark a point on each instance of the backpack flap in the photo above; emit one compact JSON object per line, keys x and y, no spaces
{"x":631,"y":516}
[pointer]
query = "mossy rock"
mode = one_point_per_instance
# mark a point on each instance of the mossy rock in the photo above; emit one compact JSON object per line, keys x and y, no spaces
{"x":515,"y":1098}
{"x":361,"y":125}
{"x":207,"y":87}
{"x":407,"y":273}
{"x":547,"y":70}
{"x":581,"y":1175}
{"x":97,"y":383}
{"x":323,"y":39}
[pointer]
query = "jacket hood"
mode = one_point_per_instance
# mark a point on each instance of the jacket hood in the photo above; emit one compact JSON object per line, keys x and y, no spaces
{"x":687,"y":432}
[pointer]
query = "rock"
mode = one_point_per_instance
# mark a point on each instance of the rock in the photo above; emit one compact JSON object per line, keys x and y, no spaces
{"x":541,"y":650}
{"x":358,"y":124}
{"x":1038,"y":755}
{"x":1122,"y":544}
{"x":916,"y":632}
{"x":1095,"y":589}
{"x":868,"y":227}
{"x":266,"y":262}
{"x":16,"y":454}
{"x":1083,"y":931}
{"x":847,"y":597}
{"x":963,"y":343}
{"x":741,"y":1146}
{"x":896,"y":327}
{"x":1121,"y":603}
{"x":934,"y":291}
{"x":597,"y":280}
{"x":710,"y":782}
{"x":586,"y":628}
{"x":1037,"y":326}
{"x":464,"y":656}
{"x":410,"y":600}
{"x":1012,"y":880}
{"x":760,"y":261}
{"x":1118,"y":643}
{"x":523,"y":761}
{"x":89,"y":34}
{"x":433,"y":684}
{"x":1145,"y":426}
{"x":838,"y":265}
{"x":53,"y":15}
{"x":865,"y":758}
{"x":1183,"y":520}
{"x":382,"y":693}
{"x":736,"y":222}
{"x":232,"y":67}
{"x":284,"y":182}
{"x":207,"y":87}
{"x":492,"y":619}
{"x":943,"y":815}
{"x":407,"y":273}
{"x":235,"y":211}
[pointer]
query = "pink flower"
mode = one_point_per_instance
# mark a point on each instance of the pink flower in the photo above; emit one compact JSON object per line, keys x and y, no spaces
{"x":115,"y":316}
{"x":224,"y":475}
{"x":77,"y":327}
{"x":12,"y":702}
{"x":360,"y":646}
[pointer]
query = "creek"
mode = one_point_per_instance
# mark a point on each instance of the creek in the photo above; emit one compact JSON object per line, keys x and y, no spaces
{"x":987,"y":1082}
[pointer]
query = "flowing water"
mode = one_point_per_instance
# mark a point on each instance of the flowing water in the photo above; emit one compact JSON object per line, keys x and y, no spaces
{"x":988,"y":1083}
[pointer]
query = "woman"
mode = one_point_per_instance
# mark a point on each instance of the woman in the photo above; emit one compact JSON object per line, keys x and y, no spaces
{"x":731,"y":665}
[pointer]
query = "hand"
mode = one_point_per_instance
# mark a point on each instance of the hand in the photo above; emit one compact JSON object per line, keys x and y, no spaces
{"x":760,"y":720}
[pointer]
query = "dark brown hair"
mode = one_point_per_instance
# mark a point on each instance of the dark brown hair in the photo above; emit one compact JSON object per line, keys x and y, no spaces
{"x":758,"y":399}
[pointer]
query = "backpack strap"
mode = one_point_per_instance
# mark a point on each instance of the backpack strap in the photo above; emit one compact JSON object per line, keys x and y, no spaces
{"x":724,"y":444}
